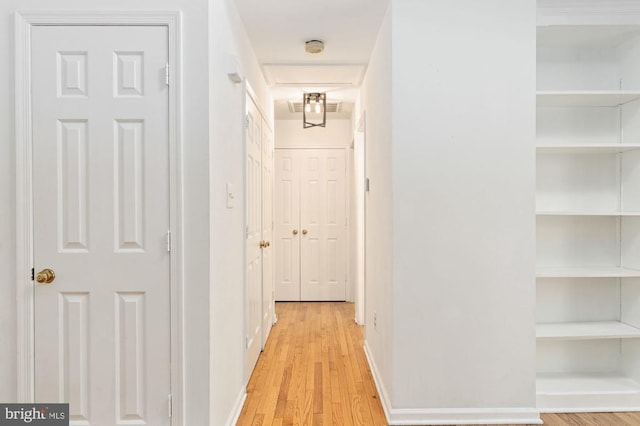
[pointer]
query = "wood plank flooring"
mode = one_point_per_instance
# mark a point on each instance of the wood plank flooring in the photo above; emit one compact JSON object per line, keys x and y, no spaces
{"x":313,"y":372}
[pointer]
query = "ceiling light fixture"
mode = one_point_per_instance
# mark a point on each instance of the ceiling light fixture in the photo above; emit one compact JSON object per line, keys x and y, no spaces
{"x":317,"y":118}
{"x":314,"y":47}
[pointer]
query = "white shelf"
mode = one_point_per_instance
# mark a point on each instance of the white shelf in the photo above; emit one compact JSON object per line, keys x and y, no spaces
{"x":586,"y":330}
{"x":587,"y":148}
{"x":585,"y":98}
{"x":586,"y":213}
{"x":604,"y":392}
{"x":586,"y":272}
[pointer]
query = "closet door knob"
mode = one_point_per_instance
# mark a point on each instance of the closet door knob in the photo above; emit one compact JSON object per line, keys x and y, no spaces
{"x":304,"y":232}
{"x":46,"y":276}
{"x":295,"y":232}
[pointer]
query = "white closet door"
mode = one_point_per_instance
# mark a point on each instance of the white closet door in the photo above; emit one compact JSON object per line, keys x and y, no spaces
{"x":253,"y":294}
{"x":323,"y":222}
{"x":310,"y":224}
{"x":287,"y":225}
{"x":101,"y":185}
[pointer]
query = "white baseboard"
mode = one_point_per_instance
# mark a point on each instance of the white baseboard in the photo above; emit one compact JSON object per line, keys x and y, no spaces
{"x":447,"y":416}
{"x":464,"y":416}
{"x":377,"y":379}
{"x":237,"y":408}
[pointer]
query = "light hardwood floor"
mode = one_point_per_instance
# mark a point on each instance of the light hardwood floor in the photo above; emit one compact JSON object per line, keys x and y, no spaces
{"x":313,"y":371}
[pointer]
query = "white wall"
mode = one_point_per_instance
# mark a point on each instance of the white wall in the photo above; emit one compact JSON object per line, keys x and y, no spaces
{"x":463,"y":169}
{"x":228,"y":41}
{"x":376,"y":101}
{"x":449,"y":97}
{"x":195,"y":182}
{"x":291,"y":134}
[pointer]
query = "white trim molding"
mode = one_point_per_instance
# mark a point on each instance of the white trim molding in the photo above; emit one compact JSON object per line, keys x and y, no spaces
{"x":24,"y":212}
{"x":377,"y":379}
{"x":24,"y":21}
{"x":447,"y":416}
{"x":465,"y":416}
{"x":237,"y":408}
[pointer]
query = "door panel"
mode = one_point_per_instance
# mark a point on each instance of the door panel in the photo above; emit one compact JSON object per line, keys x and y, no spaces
{"x":323,"y":216}
{"x":254,"y":237}
{"x":287,"y":225}
{"x":310,"y":229}
{"x":101,"y":216}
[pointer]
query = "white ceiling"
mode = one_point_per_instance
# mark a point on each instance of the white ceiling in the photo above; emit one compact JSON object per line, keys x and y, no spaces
{"x":278,"y":29}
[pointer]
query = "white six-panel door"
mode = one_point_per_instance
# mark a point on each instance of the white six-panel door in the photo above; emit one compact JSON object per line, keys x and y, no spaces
{"x":311,"y":224}
{"x":259,"y":292}
{"x":253,"y":291}
{"x":101,"y":217}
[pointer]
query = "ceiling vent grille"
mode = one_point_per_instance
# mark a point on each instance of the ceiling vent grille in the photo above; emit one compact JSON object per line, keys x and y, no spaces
{"x":332,"y":106}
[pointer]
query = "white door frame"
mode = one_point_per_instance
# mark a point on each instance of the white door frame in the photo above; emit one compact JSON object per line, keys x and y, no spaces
{"x":24,"y":21}
{"x":360,"y":222}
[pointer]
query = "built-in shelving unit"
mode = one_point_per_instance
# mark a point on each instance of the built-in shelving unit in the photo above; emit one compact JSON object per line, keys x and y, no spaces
{"x":588,"y":219}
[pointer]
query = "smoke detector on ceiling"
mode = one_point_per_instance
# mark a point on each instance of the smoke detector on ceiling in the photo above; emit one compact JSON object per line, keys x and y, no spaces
{"x":314,"y":47}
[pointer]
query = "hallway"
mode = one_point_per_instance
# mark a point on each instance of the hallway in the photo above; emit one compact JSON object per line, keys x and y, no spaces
{"x":313,"y":371}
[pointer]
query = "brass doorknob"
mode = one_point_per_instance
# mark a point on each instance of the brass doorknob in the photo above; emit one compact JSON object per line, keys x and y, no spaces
{"x":267,"y":244}
{"x":295,"y":232}
{"x":46,"y":276}
{"x":263,"y":244}
{"x":304,"y":232}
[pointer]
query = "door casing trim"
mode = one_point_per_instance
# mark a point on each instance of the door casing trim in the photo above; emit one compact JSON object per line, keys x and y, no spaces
{"x":24,"y":21}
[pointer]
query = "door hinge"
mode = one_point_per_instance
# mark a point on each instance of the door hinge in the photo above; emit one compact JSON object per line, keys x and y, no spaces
{"x":166,"y":74}
{"x":246,"y":121}
{"x":246,"y":233}
{"x":33,"y":274}
{"x":170,"y":406}
{"x":169,"y":241}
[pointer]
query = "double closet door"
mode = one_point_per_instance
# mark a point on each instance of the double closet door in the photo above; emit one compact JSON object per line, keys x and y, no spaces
{"x":310,"y":225}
